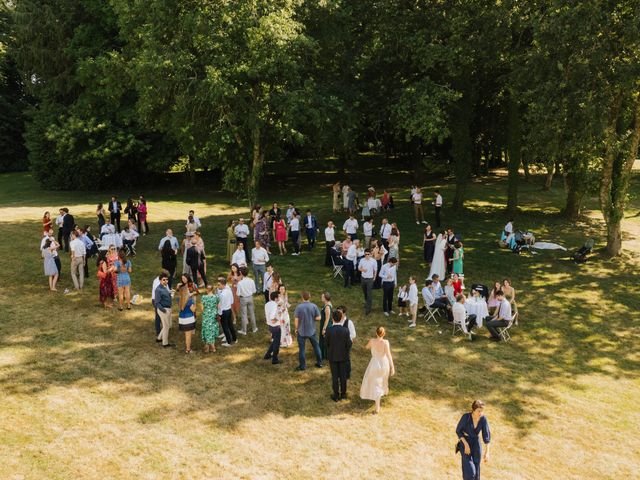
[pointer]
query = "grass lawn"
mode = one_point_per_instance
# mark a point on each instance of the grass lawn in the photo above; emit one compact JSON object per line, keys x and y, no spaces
{"x":87,"y":393}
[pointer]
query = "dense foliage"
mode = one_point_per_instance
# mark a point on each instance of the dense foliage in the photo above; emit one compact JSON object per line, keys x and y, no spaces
{"x":124,"y":89}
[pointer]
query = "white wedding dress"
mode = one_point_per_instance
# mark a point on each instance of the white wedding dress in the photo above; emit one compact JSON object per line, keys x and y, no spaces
{"x":438,"y":266}
{"x":375,"y":382}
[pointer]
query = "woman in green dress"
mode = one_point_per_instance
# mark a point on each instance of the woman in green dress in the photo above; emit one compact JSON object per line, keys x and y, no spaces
{"x":210,"y":330}
{"x":231,"y":239}
{"x":458,"y":257}
{"x":325,"y":322}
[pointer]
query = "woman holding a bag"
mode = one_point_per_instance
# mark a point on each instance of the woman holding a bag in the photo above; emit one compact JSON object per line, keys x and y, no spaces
{"x":468,"y":431}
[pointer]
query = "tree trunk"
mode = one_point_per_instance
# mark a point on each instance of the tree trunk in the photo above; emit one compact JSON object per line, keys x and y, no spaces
{"x":253,"y":184}
{"x":548,"y":180}
{"x":575,"y":195}
{"x":514,"y":154}
{"x":461,"y":140}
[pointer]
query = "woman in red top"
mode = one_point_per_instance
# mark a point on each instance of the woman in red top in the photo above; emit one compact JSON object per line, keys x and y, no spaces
{"x":457,"y":284}
{"x":143,"y":227}
{"x":280,"y":234}
{"x":47,"y":223}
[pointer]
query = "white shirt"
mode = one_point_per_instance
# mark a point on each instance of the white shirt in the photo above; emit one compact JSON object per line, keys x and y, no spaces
{"x":417,"y":198}
{"x":270,"y":309}
{"x":427,"y":296}
{"x":130,"y":235}
{"x":196,"y":220}
{"x":372,"y":203}
{"x":259,"y":256}
{"x":367,"y":228}
{"x":246,"y":287}
{"x":240,"y":258}
{"x":308,"y":221}
{"x":350,"y":226}
{"x":504,"y":310}
{"x":352,"y":253}
{"x":385,"y":231}
{"x":289,"y":213}
{"x":77,"y":248}
{"x":156,"y":282}
{"x":459,"y":315}
{"x":295,"y":224}
{"x":413,"y":294}
{"x":107,"y":228}
{"x":241,"y":231}
{"x":352,"y":329}
{"x":508,"y":228}
{"x":329,"y":234}
{"x":388,"y":273}
{"x":44,"y":240}
{"x":403,"y":295}
{"x":172,"y":240}
{"x":438,"y":200}
{"x":59,"y":220}
{"x":226,"y":299}
{"x":267,"y":281}
{"x":368,"y":267}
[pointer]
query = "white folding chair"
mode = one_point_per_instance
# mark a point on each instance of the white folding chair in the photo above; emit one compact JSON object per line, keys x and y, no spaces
{"x":457,"y":327}
{"x":337,"y":269}
{"x":430,"y":314}
{"x":504,"y":331}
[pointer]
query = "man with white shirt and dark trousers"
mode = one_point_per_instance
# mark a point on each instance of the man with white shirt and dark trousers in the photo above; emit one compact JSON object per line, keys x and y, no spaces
{"x":225,"y":296}
{"x":437,"y":205}
{"x":385,"y":233}
{"x":311,"y":228}
{"x":351,"y":227}
{"x":389,"y":276}
{"x":267,"y":281}
{"x":115,"y":209}
{"x":329,"y":241}
{"x":368,"y":268}
{"x":78,"y":253}
{"x":501,"y":318}
{"x":245,"y":289}
{"x":259,"y":257}
{"x":59,"y":222}
{"x":242,"y":232}
{"x":350,"y":264}
{"x":294,"y":231}
{"x":270,"y":313}
{"x":351,"y":328}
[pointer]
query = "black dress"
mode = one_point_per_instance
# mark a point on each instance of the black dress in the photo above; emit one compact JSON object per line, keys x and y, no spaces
{"x":429,"y":246}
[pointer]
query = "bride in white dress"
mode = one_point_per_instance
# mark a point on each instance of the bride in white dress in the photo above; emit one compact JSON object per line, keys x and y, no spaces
{"x":375,"y":382}
{"x":438,"y":265}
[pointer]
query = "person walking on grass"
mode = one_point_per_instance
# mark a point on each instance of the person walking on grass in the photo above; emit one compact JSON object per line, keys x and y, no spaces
{"x":389,"y":276}
{"x":246,"y":290}
{"x":154,"y":286}
{"x":259,"y":259}
{"x":163,"y":305}
{"x":469,"y":428}
{"x":305,"y":316}
{"x":338,"y":352}
{"x":375,"y":382}
{"x":294,"y":230}
{"x":412,"y":300}
{"x":224,"y":312}
{"x":368,"y":268}
{"x":123,"y":280}
{"x":78,"y":254}
{"x":186,"y":316}
{"x":275,"y":328}
{"x":416,"y":199}
{"x":210,"y":330}
{"x":50,"y":268}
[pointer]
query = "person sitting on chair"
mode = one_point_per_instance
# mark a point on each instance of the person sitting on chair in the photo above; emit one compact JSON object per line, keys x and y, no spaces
{"x":430,"y":300}
{"x":460,"y":316}
{"x":501,"y":318}
{"x":129,"y":240}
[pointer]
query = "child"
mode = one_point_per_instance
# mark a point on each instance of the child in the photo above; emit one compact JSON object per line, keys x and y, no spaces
{"x":403,"y":295}
{"x":413,"y":300}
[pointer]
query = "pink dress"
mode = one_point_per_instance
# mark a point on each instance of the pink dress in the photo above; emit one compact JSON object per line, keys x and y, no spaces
{"x":142,"y":212}
{"x":281,"y":231}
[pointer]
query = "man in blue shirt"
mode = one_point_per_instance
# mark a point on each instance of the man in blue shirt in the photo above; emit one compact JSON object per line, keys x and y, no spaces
{"x":306,"y":315}
{"x":172,"y":240}
{"x":311,"y":226}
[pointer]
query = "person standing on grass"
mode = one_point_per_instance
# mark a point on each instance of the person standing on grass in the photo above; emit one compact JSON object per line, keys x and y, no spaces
{"x":78,"y":254}
{"x":368,"y":268}
{"x":210,"y":330}
{"x":367,"y":231}
{"x":311,"y":228}
{"x":305,"y":316}
{"x":186,"y":316}
{"x":156,"y":283}
{"x":336,"y":197}
{"x":169,"y":260}
{"x":68,"y":226}
{"x":246,"y":290}
{"x":274,"y":324}
{"x":224,"y":312}
{"x":47,"y":223}
{"x":416,"y":199}
{"x":105,"y":277}
{"x":437,"y":205}
{"x":325,"y":320}
{"x":173,"y":241}
{"x":163,"y":305}
{"x":115,"y":212}
{"x":50,"y":268}
{"x":100,"y":213}
{"x":468,"y":431}
{"x":389,"y":276}
{"x":329,"y":242}
{"x":195,"y":260}
{"x":259,"y":258}
{"x":338,"y":352}
{"x":412,"y":300}
{"x":242,"y":232}
{"x":350,"y":227}
{"x":280,"y":234}
{"x":294,"y":230}
{"x":123,"y":280}
{"x":143,"y":226}
{"x":375,"y":382}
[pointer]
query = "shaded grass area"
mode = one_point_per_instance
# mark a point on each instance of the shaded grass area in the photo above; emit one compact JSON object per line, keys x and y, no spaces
{"x":78,"y":382}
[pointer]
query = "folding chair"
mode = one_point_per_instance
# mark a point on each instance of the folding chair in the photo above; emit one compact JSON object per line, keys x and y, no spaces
{"x":337,"y":269}
{"x":504,"y":332}
{"x":430,"y":314}
{"x":457,"y":327}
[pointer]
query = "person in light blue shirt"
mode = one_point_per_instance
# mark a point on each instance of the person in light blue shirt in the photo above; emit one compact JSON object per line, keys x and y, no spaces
{"x":306,"y":315}
{"x":172,"y":240}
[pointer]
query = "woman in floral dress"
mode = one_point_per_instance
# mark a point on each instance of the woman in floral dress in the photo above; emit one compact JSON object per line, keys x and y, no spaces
{"x":210,"y":330}
{"x":105,"y":275}
{"x":282,"y":313}
{"x":262,"y":232}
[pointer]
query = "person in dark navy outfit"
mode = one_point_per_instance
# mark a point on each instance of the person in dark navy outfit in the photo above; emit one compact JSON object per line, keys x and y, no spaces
{"x":468,"y":431}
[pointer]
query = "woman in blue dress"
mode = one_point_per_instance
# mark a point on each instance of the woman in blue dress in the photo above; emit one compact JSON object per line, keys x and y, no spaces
{"x":123,"y":280}
{"x":186,"y":316}
{"x":468,"y":431}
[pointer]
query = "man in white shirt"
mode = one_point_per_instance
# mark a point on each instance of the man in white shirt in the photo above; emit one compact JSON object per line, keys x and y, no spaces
{"x":267,"y":281}
{"x":368,"y":268}
{"x":367,"y":230}
{"x":416,"y":198}
{"x":270,"y":313}
{"x":154,"y":286}
{"x":291,"y":209}
{"x":172,"y":240}
{"x":345,"y":197}
{"x":329,"y":241}
{"x":385,"y":233}
{"x":239,"y":257}
{"x":294,"y":231}
{"x":59,"y":222}
{"x":460,"y":316}
{"x":508,"y":228}
{"x":78,"y":253}
{"x":432,"y":300}
{"x":245,"y":289}
{"x":501,"y":318}
{"x":347,"y":323}
{"x":413,"y":300}
{"x":388,"y":276}
{"x":437,"y":204}
{"x":259,"y":257}
{"x":196,"y":220}
{"x":351,"y":227}
{"x":129,"y":240}
{"x":350,"y":263}
{"x":242,"y":232}
{"x":225,"y":296}
{"x":108,"y":228}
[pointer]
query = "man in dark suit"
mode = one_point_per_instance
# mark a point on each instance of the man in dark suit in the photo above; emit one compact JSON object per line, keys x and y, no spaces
{"x":196,"y":263}
{"x":338,"y":349}
{"x":68,"y":225}
{"x":311,"y":226}
{"x":115,"y":207}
